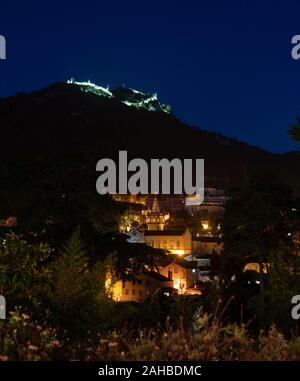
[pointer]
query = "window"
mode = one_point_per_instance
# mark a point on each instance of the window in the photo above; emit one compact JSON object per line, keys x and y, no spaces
{"x":171,"y":245}
{"x":126,"y":291}
{"x":147,"y":282}
{"x":175,"y":269}
{"x":178,"y":243}
{"x":141,"y":292}
{"x":204,"y":262}
{"x":140,"y":281}
{"x":133,"y":291}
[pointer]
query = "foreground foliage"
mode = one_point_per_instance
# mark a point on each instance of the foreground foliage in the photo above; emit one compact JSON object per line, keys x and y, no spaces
{"x":22,"y":339}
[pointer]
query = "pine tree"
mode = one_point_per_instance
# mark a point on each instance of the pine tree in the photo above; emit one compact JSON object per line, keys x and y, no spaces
{"x":75,"y":290}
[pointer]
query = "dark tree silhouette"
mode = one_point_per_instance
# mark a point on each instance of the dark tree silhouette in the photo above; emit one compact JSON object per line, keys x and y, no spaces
{"x":256,"y":222}
{"x":295,"y":130}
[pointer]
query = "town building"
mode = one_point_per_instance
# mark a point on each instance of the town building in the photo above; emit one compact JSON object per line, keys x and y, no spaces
{"x":130,"y":198}
{"x":207,"y":245}
{"x":168,"y":203}
{"x":175,"y":241}
{"x":208,"y":265}
{"x":184,"y":274}
{"x":214,"y":202}
{"x":145,"y":285}
{"x":154,"y":217}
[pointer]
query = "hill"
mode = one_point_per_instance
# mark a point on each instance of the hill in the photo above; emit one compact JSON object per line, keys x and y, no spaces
{"x":62,"y":121}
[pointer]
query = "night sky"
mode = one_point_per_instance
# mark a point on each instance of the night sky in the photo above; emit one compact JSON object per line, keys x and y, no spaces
{"x":224,"y":66}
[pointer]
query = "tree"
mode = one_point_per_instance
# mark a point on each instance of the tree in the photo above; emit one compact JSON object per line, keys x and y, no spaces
{"x":24,"y":275}
{"x":282,"y":286}
{"x":256,"y":222}
{"x":295,"y":130}
{"x":77,"y":297}
{"x":129,"y":260}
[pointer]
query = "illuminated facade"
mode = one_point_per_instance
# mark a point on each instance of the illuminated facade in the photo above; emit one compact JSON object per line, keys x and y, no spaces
{"x":130,"y":198}
{"x":176,"y":242}
{"x":184,"y":275}
{"x":129,"y":97}
{"x":254,"y":266}
{"x":145,"y":285}
{"x":180,"y":275}
{"x":214,"y":202}
{"x":155,"y":219}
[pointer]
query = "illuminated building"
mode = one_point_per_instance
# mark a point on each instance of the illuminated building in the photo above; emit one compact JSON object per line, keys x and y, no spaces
{"x":175,"y":241}
{"x":184,"y":274}
{"x":129,"y":97}
{"x":214,"y":202}
{"x":145,"y":285}
{"x":254,"y":266}
{"x":155,"y":219}
{"x":168,"y":203}
{"x":130,"y":198}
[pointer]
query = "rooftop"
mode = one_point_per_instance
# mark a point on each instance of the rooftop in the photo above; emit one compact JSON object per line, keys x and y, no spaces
{"x":164,"y":232}
{"x":158,"y":276}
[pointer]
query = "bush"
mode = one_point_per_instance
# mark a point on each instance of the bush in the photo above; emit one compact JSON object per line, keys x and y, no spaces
{"x":23,"y":339}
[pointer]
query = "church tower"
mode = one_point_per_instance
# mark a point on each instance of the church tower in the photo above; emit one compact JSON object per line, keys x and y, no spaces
{"x":155,"y":218}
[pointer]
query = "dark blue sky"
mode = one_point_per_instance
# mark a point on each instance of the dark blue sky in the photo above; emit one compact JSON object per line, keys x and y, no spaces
{"x":224,"y":66}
